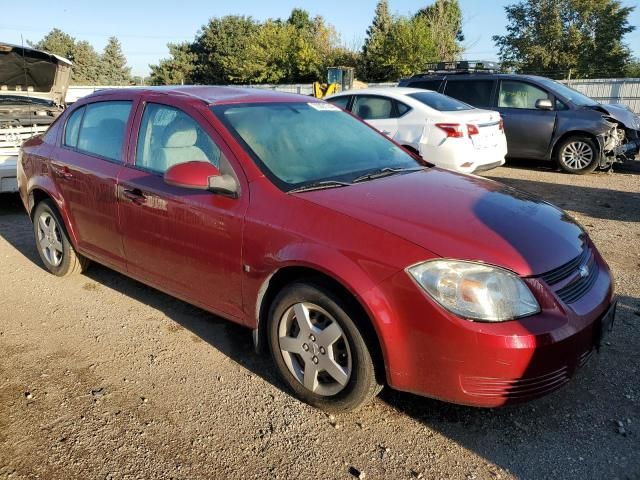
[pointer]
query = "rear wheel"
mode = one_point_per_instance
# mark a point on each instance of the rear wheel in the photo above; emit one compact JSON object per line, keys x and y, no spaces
{"x":318,"y":349}
{"x":55,"y":249}
{"x":578,"y":155}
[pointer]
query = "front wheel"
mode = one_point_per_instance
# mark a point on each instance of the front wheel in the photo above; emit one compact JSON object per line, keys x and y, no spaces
{"x":578,"y":155}
{"x":55,"y":249}
{"x":318,"y":349}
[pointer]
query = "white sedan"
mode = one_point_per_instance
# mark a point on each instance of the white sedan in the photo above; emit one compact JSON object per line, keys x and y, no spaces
{"x":442,"y":130}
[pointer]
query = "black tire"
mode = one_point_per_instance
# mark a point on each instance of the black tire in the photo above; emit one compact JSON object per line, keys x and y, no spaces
{"x":572,"y":152}
{"x":361,"y":385}
{"x":65,"y":261}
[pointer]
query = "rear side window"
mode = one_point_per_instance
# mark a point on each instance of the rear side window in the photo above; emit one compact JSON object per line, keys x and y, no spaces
{"x":440,"y":102}
{"x":373,"y":108}
{"x":474,"y":92}
{"x":103,"y":127}
{"x":426,"y":84}
{"x":341,"y":102}
{"x":402,"y":108}
{"x":520,"y":95}
{"x":72,"y":128}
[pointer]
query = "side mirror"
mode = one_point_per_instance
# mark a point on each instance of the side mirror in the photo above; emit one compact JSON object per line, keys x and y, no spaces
{"x":200,"y":175}
{"x":544,"y":104}
{"x":191,"y":175}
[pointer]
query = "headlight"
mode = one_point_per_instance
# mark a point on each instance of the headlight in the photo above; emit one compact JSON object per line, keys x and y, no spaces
{"x":475,"y":291}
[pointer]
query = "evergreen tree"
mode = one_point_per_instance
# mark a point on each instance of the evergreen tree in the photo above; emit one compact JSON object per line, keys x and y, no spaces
{"x":374,"y":58}
{"x":113,"y":64}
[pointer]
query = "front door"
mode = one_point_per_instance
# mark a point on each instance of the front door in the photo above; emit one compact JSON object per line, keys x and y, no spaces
{"x":85,"y":168}
{"x":528,"y":129}
{"x":186,"y":242}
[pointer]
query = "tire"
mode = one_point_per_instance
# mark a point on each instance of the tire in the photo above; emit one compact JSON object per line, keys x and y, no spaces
{"x":578,"y":155}
{"x":53,"y":244}
{"x":320,"y":344}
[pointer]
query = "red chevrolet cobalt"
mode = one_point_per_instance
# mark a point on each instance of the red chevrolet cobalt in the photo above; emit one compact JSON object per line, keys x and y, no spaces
{"x":357,"y":264}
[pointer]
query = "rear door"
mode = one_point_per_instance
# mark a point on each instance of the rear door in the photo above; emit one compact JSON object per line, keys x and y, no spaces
{"x":186,"y":242}
{"x":85,"y":168}
{"x":379,"y":112}
{"x":528,"y":129}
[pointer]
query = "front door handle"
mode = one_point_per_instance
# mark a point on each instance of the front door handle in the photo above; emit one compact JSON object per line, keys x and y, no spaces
{"x":134,"y":195}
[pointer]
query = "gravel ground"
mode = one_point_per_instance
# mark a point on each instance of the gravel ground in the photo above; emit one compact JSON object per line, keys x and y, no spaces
{"x":102,"y":377}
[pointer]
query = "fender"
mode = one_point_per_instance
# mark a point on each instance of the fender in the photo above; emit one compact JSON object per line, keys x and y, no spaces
{"x":49,"y":188}
{"x":338,"y":267}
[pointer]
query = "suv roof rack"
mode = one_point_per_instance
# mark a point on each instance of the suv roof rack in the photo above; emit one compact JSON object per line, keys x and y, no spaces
{"x":461,"y":67}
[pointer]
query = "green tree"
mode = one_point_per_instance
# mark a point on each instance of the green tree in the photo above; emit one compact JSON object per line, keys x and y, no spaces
{"x":445,"y":19}
{"x":558,"y":37}
{"x":374,"y":57}
{"x":56,"y":41}
{"x":632,"y":69}
{"x":178,"y":69}
{"x":113,"y":64}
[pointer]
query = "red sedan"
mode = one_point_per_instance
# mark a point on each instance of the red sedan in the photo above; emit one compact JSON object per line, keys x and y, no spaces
{"x":356,"y":263}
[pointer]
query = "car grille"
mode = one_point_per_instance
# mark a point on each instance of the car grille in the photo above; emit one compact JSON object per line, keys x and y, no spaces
{"x":582,"y":273}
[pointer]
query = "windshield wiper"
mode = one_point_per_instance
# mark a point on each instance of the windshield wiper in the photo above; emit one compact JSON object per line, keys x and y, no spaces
{"x":384,"y":172}
{"x":319,"y":186}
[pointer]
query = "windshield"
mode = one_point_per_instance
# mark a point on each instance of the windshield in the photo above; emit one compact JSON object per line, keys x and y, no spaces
{"x":440,"y":102}
{"x":570,"y":94}
{"x":296,"y":144}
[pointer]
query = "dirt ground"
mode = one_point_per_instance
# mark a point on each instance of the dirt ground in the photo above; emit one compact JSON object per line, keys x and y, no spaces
{"x":102,"y":377}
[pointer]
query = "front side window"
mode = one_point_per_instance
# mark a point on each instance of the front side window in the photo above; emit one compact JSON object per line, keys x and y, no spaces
{"x":474,"y":92}
{"x":72,"y":128}
{"x":103,"y":128}
{"x":169,"y":136}
{"x":440,"y":102}
{"x":373,"y":108}
{"x":520,"y":95}
{"x":297,"y":144}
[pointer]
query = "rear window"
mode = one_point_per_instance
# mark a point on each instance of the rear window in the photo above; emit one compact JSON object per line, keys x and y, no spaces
{"x":102,"y":129}
{"x":440,"y":102}
{"x":426,"y":84}
{"x":474,"y":92}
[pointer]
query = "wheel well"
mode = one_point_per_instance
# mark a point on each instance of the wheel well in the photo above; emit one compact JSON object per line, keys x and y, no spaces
{"x":289,"y":275}
{"x":35,"y":197}
{"x":575,"y":133}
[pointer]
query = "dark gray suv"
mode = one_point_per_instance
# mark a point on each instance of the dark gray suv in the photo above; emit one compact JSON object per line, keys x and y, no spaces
{"x":545,"y":119}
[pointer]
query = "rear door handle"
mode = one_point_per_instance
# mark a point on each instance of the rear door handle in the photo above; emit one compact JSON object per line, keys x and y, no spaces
{"x":62,"y":172}
{"x":134,"y":195}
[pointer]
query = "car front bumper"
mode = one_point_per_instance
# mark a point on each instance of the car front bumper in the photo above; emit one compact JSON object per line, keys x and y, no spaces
{"x":433,"y":353}
{"x":8,"y":173}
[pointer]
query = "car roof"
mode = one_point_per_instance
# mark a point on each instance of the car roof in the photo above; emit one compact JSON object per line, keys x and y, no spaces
{"x":212,"y":95}
{"x":395,"y":92}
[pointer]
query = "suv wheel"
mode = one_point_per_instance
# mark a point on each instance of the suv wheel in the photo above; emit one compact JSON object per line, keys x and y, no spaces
{"x":318,"y":349}
{"x":578,"y":155}
{"x":52,"y":242}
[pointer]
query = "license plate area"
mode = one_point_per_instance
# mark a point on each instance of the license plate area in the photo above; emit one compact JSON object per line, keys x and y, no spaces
{"x":605,"y":326}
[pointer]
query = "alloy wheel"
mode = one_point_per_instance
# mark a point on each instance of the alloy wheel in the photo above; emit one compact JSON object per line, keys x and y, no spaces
{"x":577,"y":155}
{"x":315,"y":349}
{"x":50,"y":239}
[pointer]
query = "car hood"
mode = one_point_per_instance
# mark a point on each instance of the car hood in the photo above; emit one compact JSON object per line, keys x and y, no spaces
{"x":25,"y":72}
{"x":621,"y":114}
{"x":463,"y":217}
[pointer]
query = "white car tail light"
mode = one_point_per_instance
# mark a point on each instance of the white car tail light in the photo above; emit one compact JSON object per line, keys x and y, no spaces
{"x":473,"y":130}
{"x":453,"y":130}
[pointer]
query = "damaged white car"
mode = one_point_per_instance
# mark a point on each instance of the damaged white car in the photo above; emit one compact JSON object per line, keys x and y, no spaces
{"x":33,"y":85}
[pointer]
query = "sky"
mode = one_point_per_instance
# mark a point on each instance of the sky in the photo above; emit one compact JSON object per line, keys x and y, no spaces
{"x":144,"y":28}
